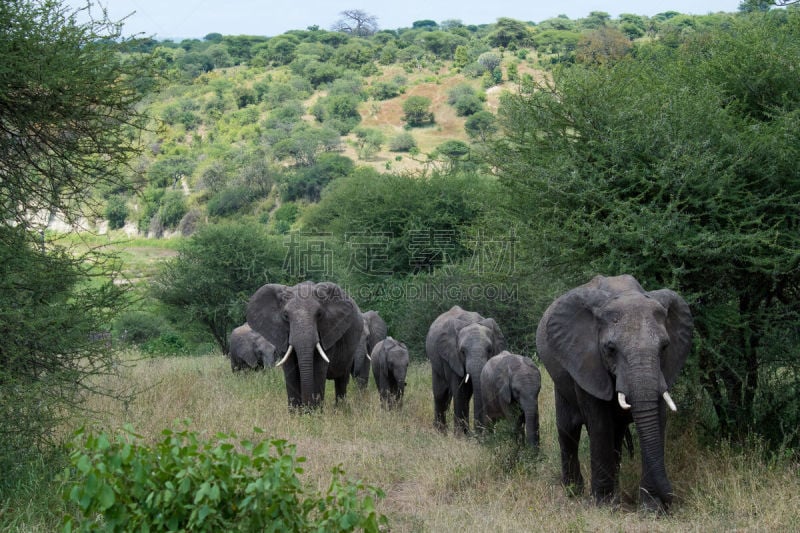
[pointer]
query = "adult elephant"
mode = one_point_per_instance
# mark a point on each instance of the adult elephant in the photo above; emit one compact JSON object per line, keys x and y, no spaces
{"x":510,"y":384}
{"x":458,"y":344}
{"x":374,"y":331}
{"x":318,"y":327}
{"x":613,"y":351}
{"x":389,"y":368}
{"x":249,"y":350}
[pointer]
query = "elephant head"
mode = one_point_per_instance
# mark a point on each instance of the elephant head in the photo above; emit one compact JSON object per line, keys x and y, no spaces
{"x":249,"y":349}
{"x":510,"y":384}
{"x":317,"y":327}
{"x":374,"y":332}
{"x":621,"y":343}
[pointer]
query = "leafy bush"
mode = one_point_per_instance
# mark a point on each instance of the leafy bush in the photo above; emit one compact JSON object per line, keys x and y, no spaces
{"x":185,"y":483}
{"x":417,"y":111}
{"x":229,"y":201}
{"x":384,"y":90}
{"x":116,"y":211}
{"x":173,"y":207}
{"x":168,"y":343}
{"x":402,"y":142}
{"x":138,"y":327}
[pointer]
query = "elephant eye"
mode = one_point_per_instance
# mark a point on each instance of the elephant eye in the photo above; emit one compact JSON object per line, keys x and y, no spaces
{"x":285,"y":316}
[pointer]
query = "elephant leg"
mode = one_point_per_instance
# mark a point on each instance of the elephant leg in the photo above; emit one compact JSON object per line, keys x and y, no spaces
{"x":441,"y":402}
{"x":461,"y":407}
{"x":569,"y":427}
{"x":340,"y":385}
{"x":292,"y":378}
{"x":604,"y":453}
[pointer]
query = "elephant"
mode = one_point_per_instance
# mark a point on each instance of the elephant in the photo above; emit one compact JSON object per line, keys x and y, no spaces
{"x":510,"y":385}
{"x":613,"y":351}
{"x":458,"y":344}
{"x":389,"y":368}
{"x":317,"y":327}
{"x":249,"y":349}
{"x":374,"y":331}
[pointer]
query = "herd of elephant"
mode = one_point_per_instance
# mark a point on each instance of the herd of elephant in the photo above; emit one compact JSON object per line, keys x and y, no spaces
{"x":612,"y":349}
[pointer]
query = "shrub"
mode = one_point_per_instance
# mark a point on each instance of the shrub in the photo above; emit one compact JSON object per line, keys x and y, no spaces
{"x":402,"y":142}
{"x":417,"y":111}
{"x":184,"y":483}
{"x":138,"y":327}
{"x":116,"y":211}
{"x":229,"y":201}
{"x":172,"y":209}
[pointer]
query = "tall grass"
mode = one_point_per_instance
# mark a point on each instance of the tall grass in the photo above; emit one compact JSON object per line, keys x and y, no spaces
{"x":444,"y":483}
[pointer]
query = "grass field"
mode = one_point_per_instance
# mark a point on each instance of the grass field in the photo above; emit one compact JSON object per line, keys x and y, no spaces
{"x":442,"y":483}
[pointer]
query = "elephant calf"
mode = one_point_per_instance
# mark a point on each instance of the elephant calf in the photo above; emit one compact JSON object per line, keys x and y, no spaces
{"x":249,"y":350}
{"x":389,"y":368}
{"x":510,"y":385}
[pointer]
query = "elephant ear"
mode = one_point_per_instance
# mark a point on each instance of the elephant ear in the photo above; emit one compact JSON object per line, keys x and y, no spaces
{"x":447,"y":346}
{"x":340,"y":315}
{"x":679,"y":326}
{"x":499,"y":338}
{"x":264,"y":315}
{"x":572,"y":330}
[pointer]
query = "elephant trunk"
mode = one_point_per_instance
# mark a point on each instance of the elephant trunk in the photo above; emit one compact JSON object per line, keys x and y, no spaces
{"x":474,"y":371}
{"x":532,"y":428}
{"x":654,"y":488}
{"x":305,"y":343}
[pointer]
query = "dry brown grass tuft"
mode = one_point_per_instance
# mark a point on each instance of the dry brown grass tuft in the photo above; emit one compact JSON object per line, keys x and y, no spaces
{"x":443,"y":483}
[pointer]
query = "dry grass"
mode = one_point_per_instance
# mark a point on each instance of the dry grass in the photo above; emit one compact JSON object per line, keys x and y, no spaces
{"x":443,"y":483}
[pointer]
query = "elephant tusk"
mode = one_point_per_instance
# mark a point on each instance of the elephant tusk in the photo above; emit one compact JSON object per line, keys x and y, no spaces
{"x":670,"y":403}
{"x":369,"y":358}
{"x":322,"y":353}
{"x":466,"y":378}
{"x":622,"y":402}
{"x":285,"y":357}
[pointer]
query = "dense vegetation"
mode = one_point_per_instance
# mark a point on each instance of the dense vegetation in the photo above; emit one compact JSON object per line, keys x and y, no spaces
{"x":491,"y":166}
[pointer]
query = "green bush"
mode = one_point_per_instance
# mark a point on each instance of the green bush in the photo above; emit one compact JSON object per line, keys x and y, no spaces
{"x":402,"y":142}
{"x":173,"y":207}
{"x":229,"y":201}
{"x":138,"y":327}
{"x":184,"y":483}
{"x":116,"y":211}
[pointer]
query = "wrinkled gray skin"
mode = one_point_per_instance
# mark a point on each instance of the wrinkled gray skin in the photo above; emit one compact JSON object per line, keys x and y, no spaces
{"x":389,"y":368}
{"x":510,"y":384}
{"x":300,"y":317}
{"x":249,"y":350}
{"x":606,"y":337}
{"x":374,"y":331}
{"x":458,"y":344}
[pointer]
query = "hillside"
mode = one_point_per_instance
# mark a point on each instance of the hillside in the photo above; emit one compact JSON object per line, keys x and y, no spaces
{"x":242,"y":123}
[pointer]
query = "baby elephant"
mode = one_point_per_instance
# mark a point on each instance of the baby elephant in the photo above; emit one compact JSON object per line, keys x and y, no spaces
{"x":389,"y":367}
{"x":510,"y":385}
{"x":249,"y":350}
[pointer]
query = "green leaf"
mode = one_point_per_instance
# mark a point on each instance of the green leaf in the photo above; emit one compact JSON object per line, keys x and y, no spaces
{"x":105,"y":497}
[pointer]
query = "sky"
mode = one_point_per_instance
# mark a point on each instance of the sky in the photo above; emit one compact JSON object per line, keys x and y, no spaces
{"x":178,"y":19}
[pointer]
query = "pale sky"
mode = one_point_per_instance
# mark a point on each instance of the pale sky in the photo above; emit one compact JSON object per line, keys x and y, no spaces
{"x":176,"y":19}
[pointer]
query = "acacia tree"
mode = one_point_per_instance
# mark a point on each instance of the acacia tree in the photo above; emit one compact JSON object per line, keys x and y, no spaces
{"x":68,"y":125}
{"x":680,"y":167}
{"x":216,"y":271}
{"x":356,"y":22}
